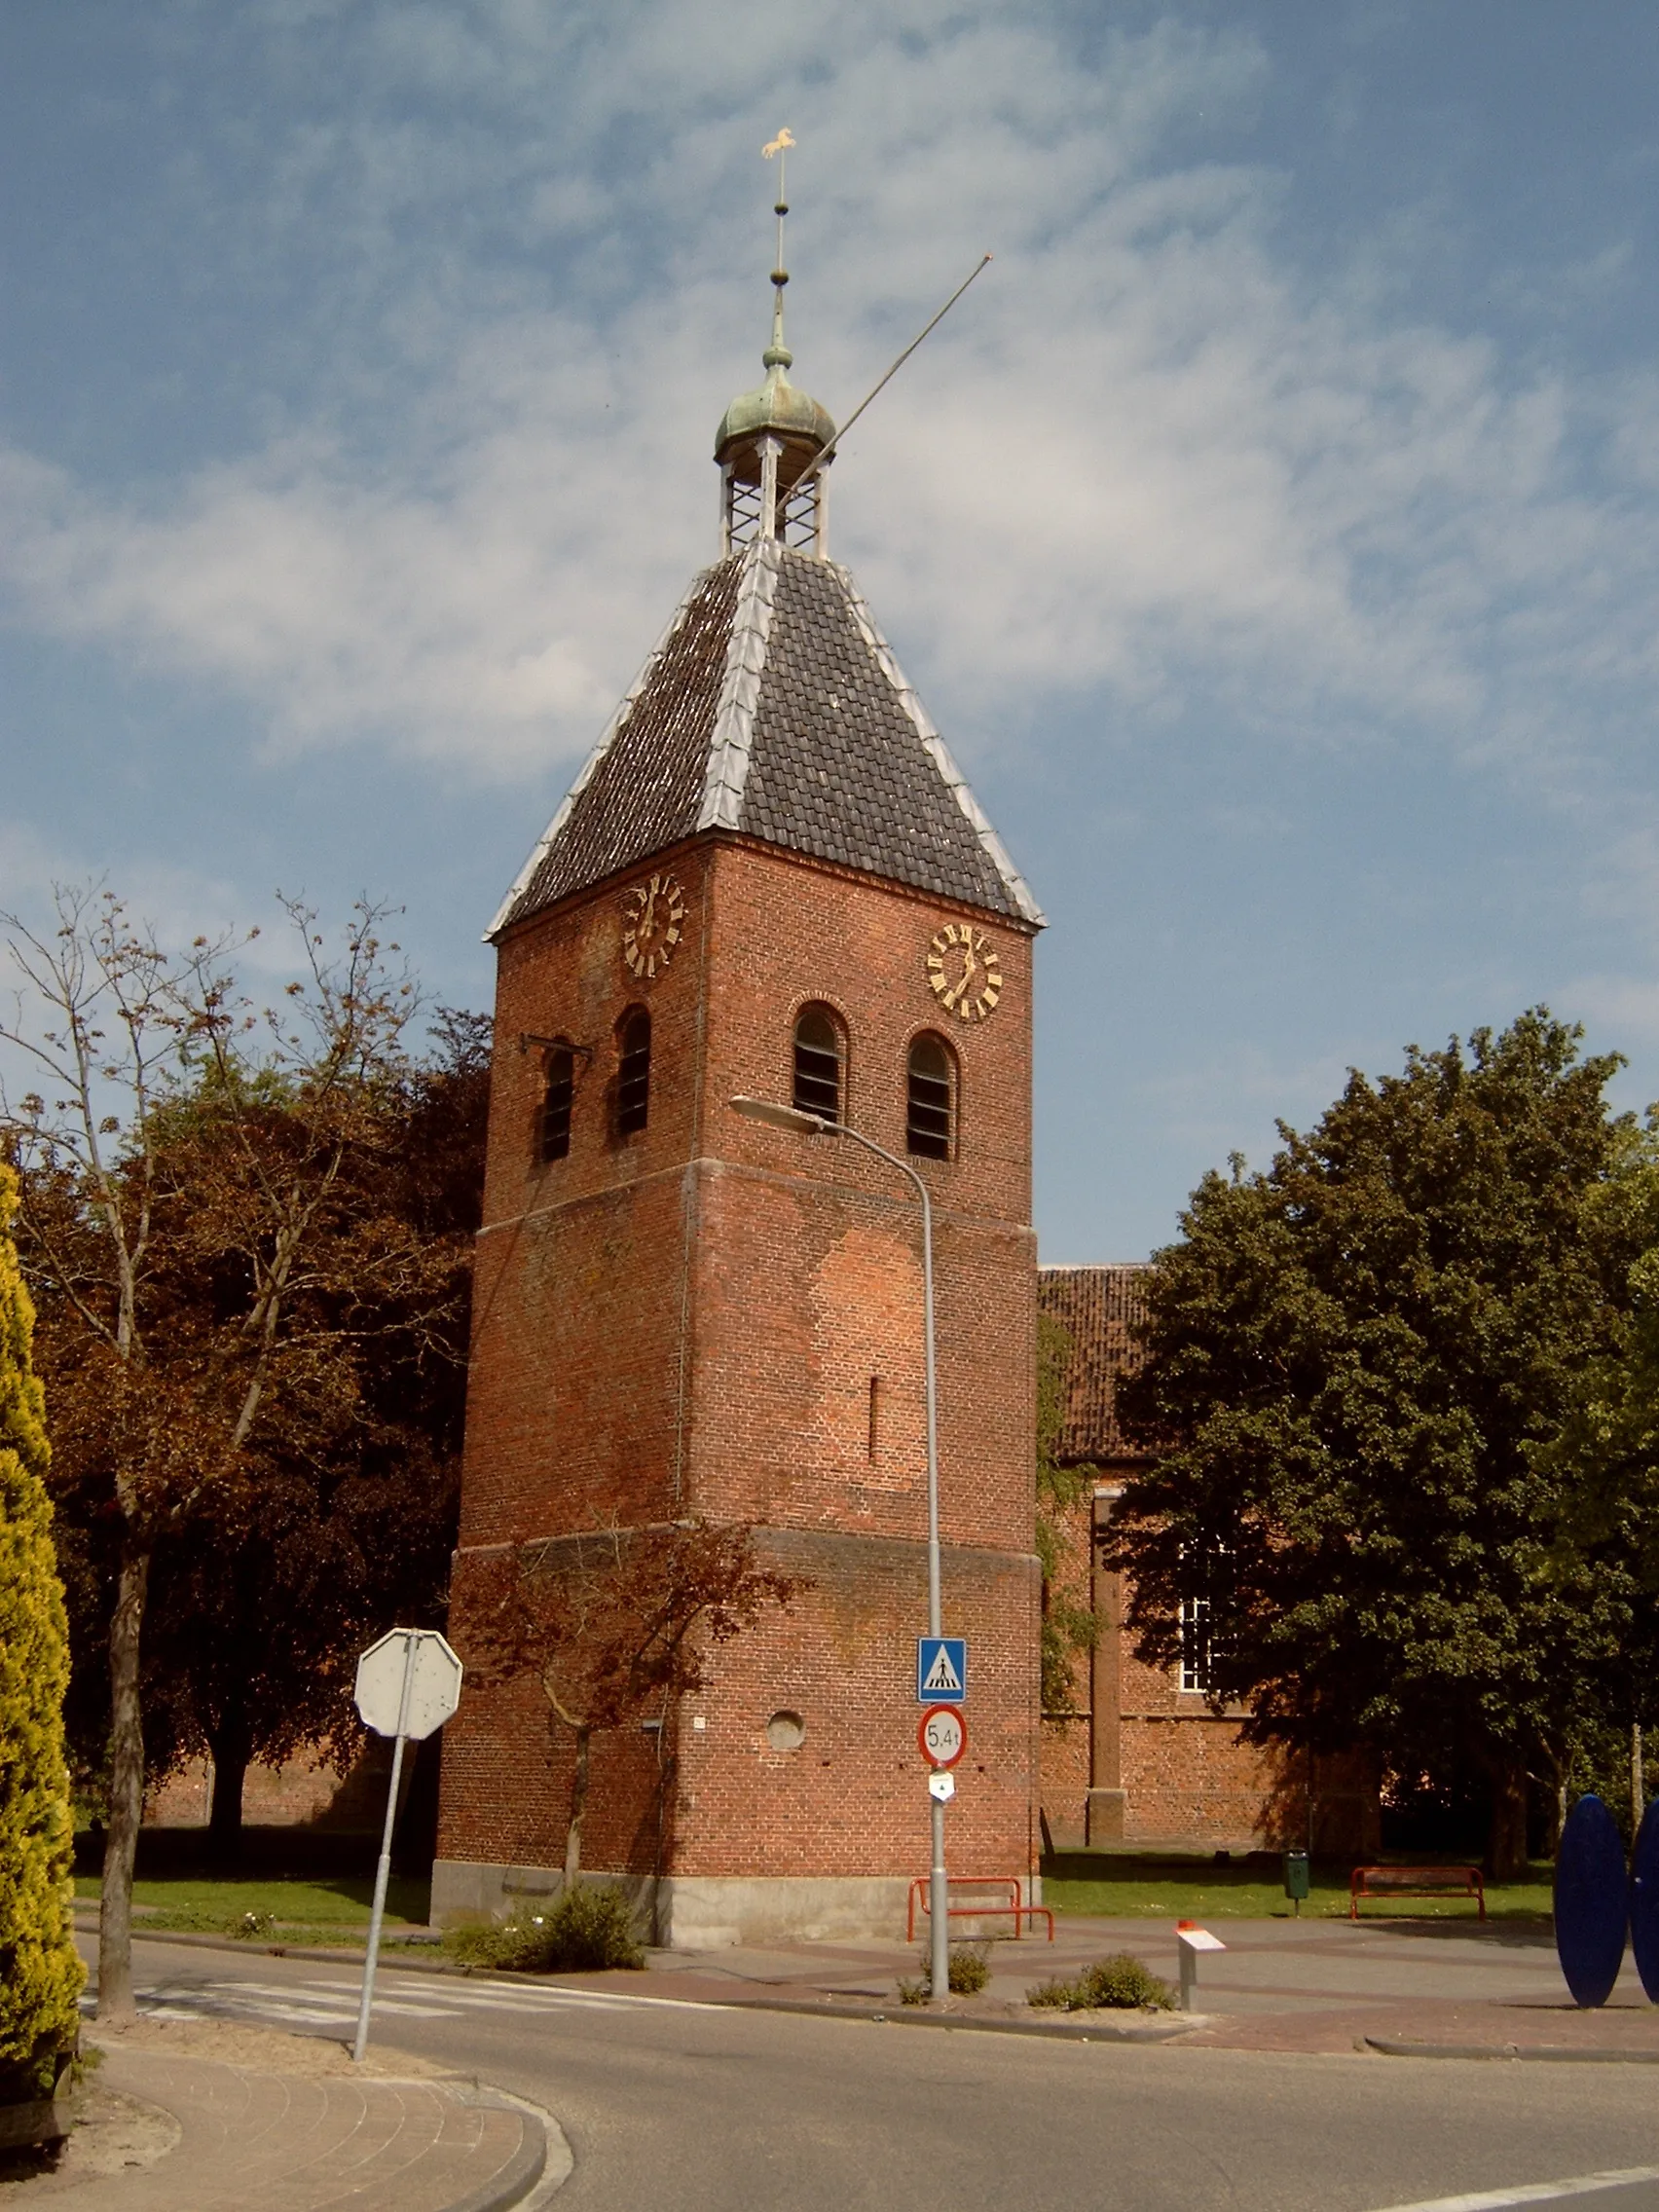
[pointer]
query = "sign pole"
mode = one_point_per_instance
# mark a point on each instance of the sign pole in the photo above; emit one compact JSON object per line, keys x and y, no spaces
{"x":383,"y":1873}
{"x":938,"y":1883}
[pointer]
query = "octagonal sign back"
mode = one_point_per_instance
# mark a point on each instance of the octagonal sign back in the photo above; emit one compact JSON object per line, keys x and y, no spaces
{"x":434,"y":1688}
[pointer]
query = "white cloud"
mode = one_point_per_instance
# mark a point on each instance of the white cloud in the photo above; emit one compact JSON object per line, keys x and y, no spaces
{"x":1146,"y":454}
{"x":173,"y":903}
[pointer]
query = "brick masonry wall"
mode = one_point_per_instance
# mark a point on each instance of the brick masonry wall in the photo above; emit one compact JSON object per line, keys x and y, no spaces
{"x":1185,"y":1775}
{"x":306,"y":1790}
{"x":298,"y":1792}
{"x":689,"y":1320}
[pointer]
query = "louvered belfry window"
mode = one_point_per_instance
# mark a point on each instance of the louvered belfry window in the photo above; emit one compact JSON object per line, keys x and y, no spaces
{"x":819,"y":1063}
{"x":930,"y":1106}
{"x":556,"y":1100}
{"x":633,"y":1073}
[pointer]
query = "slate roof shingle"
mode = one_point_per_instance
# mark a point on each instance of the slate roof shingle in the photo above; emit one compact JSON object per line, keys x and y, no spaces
{"x":774,"y":708}
{"x":1098,"y":1308}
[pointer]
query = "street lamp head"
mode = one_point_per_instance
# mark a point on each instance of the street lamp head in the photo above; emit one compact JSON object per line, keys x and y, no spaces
{"x":781,"y":1116}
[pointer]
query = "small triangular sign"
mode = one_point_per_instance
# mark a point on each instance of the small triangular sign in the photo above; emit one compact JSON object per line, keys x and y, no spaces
{"x":942,"y":1676}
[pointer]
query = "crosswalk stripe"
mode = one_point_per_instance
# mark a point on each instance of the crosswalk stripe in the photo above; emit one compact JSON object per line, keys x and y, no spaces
{"x":329,"y":2002}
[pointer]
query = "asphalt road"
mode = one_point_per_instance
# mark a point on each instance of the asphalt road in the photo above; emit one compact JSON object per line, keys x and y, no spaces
{"x":691,"y":2107}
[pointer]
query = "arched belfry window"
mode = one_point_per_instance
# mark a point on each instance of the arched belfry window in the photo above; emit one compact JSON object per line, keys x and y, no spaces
{"x":558,"y":1093}
{"x":819,"y":1063}
{"x":930,"y":1099}
{"x":633,"y":1072}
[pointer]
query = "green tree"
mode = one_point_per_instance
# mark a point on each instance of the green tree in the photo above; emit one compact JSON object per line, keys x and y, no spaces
{"x":1607,"y":1450}
{"x":1353,"y":1361}
{"x":183,"y":1143}
{"x":40,"y":1971}
{"x":1070,"y":1626}
{"x":338,"y":1521}
{"x":1606,"y":1461}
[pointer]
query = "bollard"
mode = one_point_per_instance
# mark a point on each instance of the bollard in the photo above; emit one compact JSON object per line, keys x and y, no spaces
{"x":1191,"y":1939}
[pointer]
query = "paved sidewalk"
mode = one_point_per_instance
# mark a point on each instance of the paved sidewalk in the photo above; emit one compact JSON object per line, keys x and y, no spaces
{"x":281,"y":2126}
{"x":1291,"y":1985}
{"x":1317,"y":1984}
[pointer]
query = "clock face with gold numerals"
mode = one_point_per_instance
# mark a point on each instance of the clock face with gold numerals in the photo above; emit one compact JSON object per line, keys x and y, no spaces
{"x":964,"y":971}
{"x":654,"y":917}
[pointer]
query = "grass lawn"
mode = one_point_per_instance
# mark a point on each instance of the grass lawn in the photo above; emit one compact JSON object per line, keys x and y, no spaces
{"x":333,"y":1911}
{"x":1107,"y":1886}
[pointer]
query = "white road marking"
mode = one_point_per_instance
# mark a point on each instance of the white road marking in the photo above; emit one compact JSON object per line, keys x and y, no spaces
{"x":328,"y":2002}
{"x":1534,"y":2193}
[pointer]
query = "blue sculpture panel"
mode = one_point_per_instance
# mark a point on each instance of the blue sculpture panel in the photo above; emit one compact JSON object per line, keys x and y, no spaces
{"x":1592,"y":1903}
{"x":1644,"y":1901}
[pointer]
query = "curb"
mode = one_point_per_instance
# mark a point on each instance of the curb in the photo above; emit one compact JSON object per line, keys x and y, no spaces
{"x":239,"y":1946}
{"x":1595,"y":2055}
{"x":977,"y":2023}
{"x":918,"y":2016}
{"x":514,"y":2183}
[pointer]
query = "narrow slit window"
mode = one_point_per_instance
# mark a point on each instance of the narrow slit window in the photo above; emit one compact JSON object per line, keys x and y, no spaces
{"x":873,"y":1445}
{"x":820,"y":1060}
{"x":930,"y":1113}
{"x":556,"y":1100}
{"x":634,"y":1074}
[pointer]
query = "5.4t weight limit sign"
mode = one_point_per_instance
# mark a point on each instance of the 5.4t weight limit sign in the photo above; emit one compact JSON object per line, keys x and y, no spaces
{"x":943,"y":1735}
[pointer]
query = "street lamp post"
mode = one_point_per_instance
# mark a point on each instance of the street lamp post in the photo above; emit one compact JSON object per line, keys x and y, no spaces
{"x":815,"y":1125}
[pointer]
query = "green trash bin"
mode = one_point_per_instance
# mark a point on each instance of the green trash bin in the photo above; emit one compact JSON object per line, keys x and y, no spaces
{"x":1296,"y":1878}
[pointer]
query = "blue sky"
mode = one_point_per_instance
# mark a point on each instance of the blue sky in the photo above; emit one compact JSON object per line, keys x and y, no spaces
{"x":1273,"y":531}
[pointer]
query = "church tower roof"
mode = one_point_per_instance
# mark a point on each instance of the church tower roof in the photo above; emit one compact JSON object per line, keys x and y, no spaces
{"x":772,"y":708}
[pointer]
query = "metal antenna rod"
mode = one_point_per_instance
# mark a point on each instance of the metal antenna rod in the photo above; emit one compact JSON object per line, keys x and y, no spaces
{"x":825,"y":451}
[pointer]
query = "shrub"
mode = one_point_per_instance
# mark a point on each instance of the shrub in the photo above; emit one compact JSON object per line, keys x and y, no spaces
{"x":588,"y":1929}
{"x":970,"y":1971}
{"x":1051,"y":1996}
{"x":40,"y":1971}
{"x":969,"y":1968}
{"x":1119,"y":1983}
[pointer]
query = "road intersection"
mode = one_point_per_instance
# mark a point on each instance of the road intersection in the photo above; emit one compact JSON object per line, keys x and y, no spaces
{"x":691,"y":2106}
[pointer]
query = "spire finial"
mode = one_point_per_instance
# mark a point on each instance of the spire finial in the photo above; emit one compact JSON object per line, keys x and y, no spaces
{"x":778,"y":355}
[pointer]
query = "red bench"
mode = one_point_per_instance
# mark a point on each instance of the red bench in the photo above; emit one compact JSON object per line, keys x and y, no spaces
{"x":1415,"y":1882}
{"x":1005,"y":1889}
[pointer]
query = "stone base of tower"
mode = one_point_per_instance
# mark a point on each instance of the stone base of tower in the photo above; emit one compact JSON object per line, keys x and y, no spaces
{"x":702,"y":1912}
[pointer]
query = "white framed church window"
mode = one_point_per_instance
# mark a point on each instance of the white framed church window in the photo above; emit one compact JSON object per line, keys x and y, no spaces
{"x":1196,"y":1671}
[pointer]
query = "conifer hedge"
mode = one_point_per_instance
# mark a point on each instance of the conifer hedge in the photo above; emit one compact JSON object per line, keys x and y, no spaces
{"x":40,"y":1971}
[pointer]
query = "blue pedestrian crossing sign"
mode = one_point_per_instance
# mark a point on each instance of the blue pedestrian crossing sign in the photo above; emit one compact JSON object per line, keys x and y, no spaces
{"x":941,"y":1669}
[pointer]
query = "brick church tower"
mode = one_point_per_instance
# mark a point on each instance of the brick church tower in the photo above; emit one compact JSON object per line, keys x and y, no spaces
{"x":768,"y":879}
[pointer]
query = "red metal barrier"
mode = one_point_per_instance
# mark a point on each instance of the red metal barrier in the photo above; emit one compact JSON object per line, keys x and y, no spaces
{"x":1006,"y":1887}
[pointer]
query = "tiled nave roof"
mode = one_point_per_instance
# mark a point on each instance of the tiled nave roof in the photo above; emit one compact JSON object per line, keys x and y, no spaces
{"x":1098,"y":1308}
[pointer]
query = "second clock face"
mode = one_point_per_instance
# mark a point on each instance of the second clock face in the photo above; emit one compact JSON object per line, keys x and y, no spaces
{"x":964,"y":971}
{"x":653,"y":917}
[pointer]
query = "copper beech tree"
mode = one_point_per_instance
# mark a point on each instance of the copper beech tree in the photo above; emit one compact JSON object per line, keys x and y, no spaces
{"x":339,"y":1519}
{"x":614,"y":1623}
{"x":200,"y":1238}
